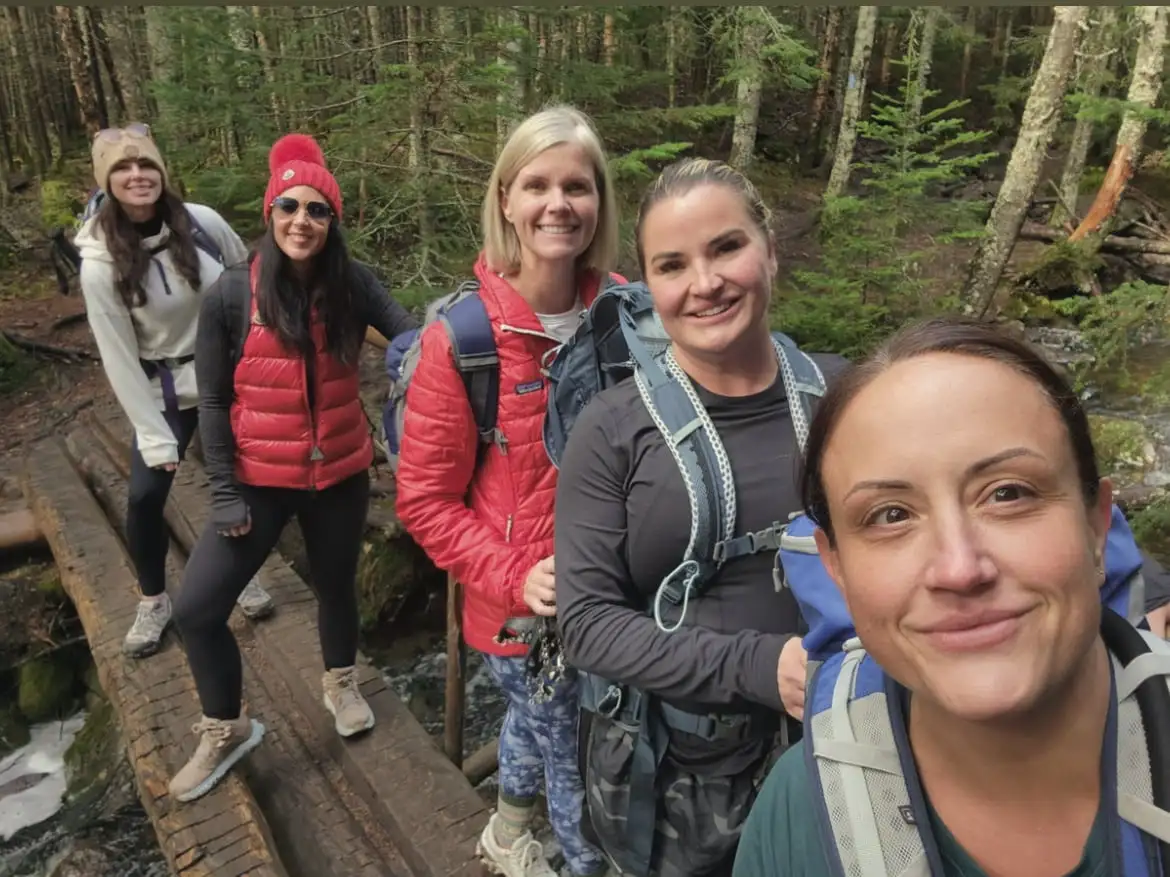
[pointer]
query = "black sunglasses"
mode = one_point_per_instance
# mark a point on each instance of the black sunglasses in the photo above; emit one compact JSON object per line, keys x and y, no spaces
{"x":317,"y":210}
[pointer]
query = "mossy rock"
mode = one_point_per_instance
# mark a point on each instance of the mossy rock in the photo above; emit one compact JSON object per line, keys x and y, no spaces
{"x":46,"y":687}
{"x":389,"y":571}
{"x":1151,"y":528}
{"x":14,"y":731}
{"x":92,"y":760}
{"x":1125,"y":450}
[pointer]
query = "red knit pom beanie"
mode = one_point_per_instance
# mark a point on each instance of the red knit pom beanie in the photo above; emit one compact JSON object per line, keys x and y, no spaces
{"x":297,"y":160}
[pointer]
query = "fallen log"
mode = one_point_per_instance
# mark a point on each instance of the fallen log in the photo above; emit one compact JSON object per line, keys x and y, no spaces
{"x":19,"y":529}
{"x":1033,"y":231}
{"x":482,"y":763}
{"x":67,"y":320}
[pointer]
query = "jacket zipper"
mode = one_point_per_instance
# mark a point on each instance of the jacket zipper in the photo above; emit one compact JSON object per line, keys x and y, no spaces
{"x":508,"y":530}
{"x":314,"y":452}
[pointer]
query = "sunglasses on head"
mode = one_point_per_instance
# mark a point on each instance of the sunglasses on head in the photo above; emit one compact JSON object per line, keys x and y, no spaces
{"x":318,"y":211}
{"x":113,"y":135}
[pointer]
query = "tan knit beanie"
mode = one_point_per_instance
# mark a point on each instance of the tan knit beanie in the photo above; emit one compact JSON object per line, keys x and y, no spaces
{"x":124,"y":144}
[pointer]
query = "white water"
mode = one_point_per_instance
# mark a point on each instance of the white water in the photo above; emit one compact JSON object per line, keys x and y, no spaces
{"x":44,"y":754}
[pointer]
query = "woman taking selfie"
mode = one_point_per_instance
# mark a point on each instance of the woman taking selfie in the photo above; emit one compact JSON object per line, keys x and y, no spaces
{"x":991,"y":717}
{"x":284,"y":433}
{"x":146,"y":260}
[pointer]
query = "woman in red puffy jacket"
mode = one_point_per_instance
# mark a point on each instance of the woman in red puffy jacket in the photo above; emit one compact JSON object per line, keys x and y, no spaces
{"x":550,"y":238}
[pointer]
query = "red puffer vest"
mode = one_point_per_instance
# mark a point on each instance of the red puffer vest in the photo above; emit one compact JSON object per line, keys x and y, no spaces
{"x":280,"y":442}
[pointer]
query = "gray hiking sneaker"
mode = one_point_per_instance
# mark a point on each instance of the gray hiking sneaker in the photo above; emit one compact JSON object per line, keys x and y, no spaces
{"x":255,"y":602}
{"x":145,"y":634}
{"x":351,"y":713}
{"x":222,"y":743}
{"x":524,"y":858}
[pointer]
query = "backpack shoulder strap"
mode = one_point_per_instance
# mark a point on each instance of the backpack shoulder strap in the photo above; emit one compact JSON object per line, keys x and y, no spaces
{"x":1142,"y":679}
{"x":203,"y":240}
{"x":803,"y":383}
{"x":859,"y":761}
{"x":473,"y":346}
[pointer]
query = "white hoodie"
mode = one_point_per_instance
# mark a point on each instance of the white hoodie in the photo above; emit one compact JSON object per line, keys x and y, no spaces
{"x":162,"y":328}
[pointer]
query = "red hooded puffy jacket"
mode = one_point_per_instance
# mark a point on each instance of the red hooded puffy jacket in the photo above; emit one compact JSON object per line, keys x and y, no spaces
{"x":486,"y":526}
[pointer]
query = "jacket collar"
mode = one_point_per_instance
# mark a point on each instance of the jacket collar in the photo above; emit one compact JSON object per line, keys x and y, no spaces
{"x":505,"y":305}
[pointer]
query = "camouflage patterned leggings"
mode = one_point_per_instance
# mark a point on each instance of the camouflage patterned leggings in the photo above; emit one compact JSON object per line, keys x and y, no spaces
{"x":540,"y":740}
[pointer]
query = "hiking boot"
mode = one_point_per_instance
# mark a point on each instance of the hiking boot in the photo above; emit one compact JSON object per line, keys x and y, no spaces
{"x":222,"y":743}
{"x":351,"y":713}
{"x":145,"y":634}
{"x":255,"y":602}
{"x":525,"y":858}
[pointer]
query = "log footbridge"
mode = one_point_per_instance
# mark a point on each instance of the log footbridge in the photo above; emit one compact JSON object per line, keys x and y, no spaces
{"x":305,"y":803}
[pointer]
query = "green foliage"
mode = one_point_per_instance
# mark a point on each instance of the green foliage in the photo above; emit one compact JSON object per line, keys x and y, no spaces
{"x":1134,"y":316}
{"x":1151,"y":528}
{"x":871,"y":279}
{"x":59,"y":207}
{"x":1122,"y":447}
{"x":16,"y":367}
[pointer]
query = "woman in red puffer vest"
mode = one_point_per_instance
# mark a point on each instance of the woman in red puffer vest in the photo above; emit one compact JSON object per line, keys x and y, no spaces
{"x":284,"y":433}
{"x":550,"y":239}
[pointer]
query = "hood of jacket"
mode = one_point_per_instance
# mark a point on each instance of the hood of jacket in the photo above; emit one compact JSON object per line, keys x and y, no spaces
{"x":91,"y":241}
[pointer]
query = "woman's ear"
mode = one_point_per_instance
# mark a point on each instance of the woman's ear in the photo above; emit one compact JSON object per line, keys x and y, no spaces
{"x":1102,"y":517}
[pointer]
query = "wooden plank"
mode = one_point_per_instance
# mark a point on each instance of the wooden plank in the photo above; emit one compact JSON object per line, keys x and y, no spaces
{"x":317,"y":835}
{"x":155,"y":715}
{"x":427,"y":806}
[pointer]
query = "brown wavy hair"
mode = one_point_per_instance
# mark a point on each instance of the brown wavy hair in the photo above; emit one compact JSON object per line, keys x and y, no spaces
{"x":132,"y":260}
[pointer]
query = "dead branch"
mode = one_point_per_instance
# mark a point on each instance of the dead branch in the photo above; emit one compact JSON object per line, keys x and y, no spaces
{"x":67,"y":320}
{"x":70,"y":354}
{"x":1033,"y":231}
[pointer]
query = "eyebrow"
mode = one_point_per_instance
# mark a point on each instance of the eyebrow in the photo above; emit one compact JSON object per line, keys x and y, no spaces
{"x":714,"y":242}
{"x":974,"y":469}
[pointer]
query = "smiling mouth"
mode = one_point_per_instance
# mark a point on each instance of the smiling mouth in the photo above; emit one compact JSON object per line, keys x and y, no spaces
{"x":300,"y":239}
{"x":557,"y":229}
{"x":977,"y":634}
{"x":715,"y":310}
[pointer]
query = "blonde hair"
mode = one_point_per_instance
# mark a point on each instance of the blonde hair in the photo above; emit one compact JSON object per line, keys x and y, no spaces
{"x":548,"y":128}
{"x":681,"y":177}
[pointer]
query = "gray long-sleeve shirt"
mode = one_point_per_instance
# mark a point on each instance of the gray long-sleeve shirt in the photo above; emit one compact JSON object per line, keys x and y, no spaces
{"x":622,"y":524}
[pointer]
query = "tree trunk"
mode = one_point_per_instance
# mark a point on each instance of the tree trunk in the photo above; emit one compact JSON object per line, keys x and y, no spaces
{"x":1144,"y":86}
{"x":511,"y":96}
{"x":840,"y":84}
{"x":753,"y":34}
{"x":268,"y":67}
{"x":889,"y":46}
{"x":83,"y":87}
{"x":118,"y":81}
{"x":92,"y":64}
{"x":417,"y":156}
{"x":673,"y":16}
{"x":609,"y":39}
{"x":1097,"y":48}
{"x":31,"y":85}
{"x":925,"y":57}
{"x":1041,"y":115}
{"x":968,"y":48}
{"x":858,"y":68}
{"x":816,"y":111}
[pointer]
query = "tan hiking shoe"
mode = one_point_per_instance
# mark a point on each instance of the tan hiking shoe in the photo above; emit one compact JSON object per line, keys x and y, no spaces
{"x":524,"y":858}
{"x":351,"y":713}
{"x":222,"y":743}
{"x":150,"y":623}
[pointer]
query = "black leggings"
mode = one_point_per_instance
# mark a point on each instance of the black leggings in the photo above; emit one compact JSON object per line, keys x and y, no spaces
{"x":147,"y":537}
{"x":332,"y":521}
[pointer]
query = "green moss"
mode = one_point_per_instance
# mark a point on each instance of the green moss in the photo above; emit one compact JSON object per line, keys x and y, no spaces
{"x":389,"y":571}
{"x":91,"y":760}
{"x":46,"y":687}
{"x":1123,"y":448}
{"x":50,"y":585}
{"x":13,"y":729}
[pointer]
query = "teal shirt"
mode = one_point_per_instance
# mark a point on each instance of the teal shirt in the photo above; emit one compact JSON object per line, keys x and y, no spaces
{"x":781,"y":837}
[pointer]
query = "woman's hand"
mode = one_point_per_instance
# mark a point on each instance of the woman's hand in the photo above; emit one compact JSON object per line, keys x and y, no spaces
{"x":540,"y":588}
{"x":167,"y":467}
{"x":240,"y":530}
{"x":791,"y":677}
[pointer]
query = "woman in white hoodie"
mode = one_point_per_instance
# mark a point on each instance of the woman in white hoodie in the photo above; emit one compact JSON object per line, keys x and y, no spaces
{"x":145,"y":258}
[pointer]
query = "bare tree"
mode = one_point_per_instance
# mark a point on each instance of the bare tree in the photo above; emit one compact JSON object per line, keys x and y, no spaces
{"x":858,"y":69}
{"x":1041,"y":114}
{"x":752,"y":34}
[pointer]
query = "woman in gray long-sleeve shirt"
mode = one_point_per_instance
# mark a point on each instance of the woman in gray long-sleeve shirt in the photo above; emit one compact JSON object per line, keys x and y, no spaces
{"x":623,"y":522}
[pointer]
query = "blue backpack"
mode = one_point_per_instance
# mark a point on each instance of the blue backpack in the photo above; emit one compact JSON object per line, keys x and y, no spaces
{"x":871,"y":809}
{"x":621,"y":335}
{"x":472,"y":344}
